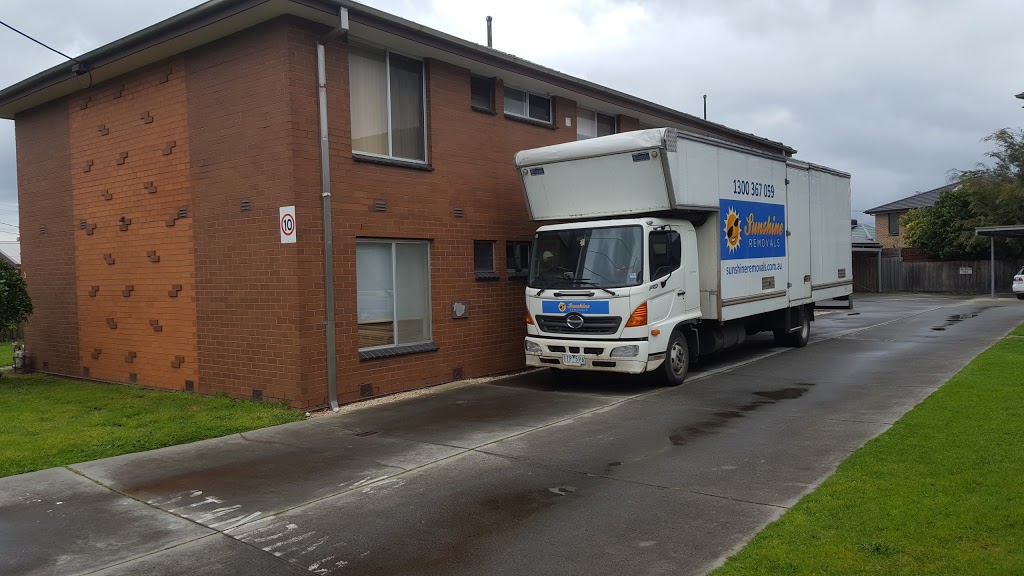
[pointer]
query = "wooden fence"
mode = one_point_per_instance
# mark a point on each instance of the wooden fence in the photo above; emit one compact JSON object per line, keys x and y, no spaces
{"x":956,"y":277}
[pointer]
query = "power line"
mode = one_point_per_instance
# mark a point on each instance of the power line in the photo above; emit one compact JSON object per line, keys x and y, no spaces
{"x":11,"y":225}
{"x":13,"y":29}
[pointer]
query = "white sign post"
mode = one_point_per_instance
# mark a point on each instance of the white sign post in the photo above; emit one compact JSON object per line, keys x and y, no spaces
{"x":287,"y":224}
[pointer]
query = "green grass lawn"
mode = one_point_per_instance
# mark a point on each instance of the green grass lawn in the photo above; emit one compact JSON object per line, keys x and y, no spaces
{"x":48,"y":421}
{"x":941,"y":492}
{"x":6,"y":354}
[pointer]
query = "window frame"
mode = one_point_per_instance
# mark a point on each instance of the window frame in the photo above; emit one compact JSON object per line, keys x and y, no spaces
{"x":491,"y":274}
{"x":548,"y":97}
{"x":517,"y":245}
{"x":615,"y":122}
{"x":897,"y":215}
{"x":423,"y":94}
{"x":674,"y":237}
{"x":394,"y":242}
{"x":492,"y":83}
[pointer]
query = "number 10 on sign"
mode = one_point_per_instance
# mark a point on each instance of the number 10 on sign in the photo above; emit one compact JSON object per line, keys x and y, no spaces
{"x":287,"y":224}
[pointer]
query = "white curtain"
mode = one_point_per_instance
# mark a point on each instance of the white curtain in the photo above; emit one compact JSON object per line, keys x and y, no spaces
{"x":413,"y":292}
{"x":374,"y":282}
{"x":585,"y":125}
{"x":369,"y":89}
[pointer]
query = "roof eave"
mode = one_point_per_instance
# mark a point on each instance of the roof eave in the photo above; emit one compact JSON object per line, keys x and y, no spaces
{"x":225,"y":17}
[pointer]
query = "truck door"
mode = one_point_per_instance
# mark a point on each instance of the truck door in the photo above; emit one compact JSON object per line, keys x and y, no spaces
{"x":665,"y":303}
{"x":798,"y":225}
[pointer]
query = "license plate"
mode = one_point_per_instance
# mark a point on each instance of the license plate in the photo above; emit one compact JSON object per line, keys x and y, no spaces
{"x":574,"y":360}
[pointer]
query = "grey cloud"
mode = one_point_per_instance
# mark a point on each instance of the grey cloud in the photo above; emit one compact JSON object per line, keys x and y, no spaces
{"x":897,"y":93}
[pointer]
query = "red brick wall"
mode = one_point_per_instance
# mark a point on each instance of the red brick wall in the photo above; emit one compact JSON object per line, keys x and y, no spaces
{"x":472,"y":158}
{"x":48,"y":259}
{"x":131,"y":328}
{"x":259,"y":302}
{"x":243,"y":114}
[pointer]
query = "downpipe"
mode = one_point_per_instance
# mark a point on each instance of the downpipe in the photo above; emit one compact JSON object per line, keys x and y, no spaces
{"x":325,"y":200}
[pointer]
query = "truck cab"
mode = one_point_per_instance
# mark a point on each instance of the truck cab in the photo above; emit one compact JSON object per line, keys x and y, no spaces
{"x":608,"y":295}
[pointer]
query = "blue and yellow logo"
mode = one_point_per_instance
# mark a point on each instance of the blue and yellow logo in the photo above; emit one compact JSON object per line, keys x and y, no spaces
{"x":732,"y":230}
{"x":752,"y":230}
{"x":577,"y":306}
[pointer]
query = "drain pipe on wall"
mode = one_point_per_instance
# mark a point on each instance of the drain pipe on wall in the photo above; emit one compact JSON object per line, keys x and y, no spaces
{"x":325,"y":198}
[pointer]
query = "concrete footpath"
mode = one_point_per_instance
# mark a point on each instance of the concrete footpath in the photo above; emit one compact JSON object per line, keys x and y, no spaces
{"x":522,"y":475}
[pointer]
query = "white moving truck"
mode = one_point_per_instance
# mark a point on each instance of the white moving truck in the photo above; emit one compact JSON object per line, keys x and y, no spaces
{"x":666,"y":246}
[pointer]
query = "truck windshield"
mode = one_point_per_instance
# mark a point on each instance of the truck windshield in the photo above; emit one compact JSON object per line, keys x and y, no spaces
{"x":610,"y":257}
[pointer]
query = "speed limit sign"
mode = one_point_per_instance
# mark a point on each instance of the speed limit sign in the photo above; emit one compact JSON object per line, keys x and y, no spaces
{"x":287,"y":224}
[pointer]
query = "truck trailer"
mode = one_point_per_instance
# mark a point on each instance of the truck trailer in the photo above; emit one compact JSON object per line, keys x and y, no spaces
{"x":659,"y":247}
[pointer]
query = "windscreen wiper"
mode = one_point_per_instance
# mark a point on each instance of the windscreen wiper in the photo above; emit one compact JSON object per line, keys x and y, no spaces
{"x":595,"y":285}
{"x":550,"y":284}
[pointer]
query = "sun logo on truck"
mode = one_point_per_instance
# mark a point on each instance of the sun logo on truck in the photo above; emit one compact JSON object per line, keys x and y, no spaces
{"x":561,"y":306}
{"x":732,"y":230}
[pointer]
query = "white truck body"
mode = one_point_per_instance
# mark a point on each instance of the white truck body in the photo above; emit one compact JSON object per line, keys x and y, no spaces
{"x":757,"y":234}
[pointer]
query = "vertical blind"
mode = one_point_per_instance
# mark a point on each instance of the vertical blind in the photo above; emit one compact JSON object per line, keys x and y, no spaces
{"x":397,"y":130}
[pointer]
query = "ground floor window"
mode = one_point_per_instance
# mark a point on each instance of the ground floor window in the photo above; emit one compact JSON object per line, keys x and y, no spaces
{"x":393,"y":285}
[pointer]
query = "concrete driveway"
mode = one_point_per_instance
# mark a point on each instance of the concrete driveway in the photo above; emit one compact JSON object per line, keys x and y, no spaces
{"x":522,"y":475}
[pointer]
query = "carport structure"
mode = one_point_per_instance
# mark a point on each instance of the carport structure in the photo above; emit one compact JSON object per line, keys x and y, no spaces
{"x":993,"y":232}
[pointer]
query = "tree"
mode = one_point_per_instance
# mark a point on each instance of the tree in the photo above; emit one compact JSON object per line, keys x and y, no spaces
{"x":988,"y":195}
{"x":996,"y":191}
{"x":15,"y":305}
{"x":946,"y":230}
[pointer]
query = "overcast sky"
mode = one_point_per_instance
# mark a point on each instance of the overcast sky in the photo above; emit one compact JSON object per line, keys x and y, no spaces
{"x":894,"y":92}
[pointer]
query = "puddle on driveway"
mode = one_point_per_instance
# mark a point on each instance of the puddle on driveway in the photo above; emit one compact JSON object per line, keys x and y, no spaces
{"x":957,"y":318}
{"x":686,"y":434}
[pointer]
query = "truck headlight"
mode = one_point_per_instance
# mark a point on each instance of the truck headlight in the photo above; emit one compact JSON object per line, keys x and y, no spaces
{"x":533,"y":347}
{"x":625,"y":351}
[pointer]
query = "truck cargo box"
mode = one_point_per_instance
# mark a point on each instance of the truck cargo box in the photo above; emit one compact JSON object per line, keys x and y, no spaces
{"x":642,"y":172}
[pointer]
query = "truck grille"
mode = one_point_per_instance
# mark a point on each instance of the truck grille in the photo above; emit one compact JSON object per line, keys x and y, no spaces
{"x":591,"y":325}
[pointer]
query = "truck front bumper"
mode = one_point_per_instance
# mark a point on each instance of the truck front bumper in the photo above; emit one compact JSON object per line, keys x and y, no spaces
{"x":597,"y":354}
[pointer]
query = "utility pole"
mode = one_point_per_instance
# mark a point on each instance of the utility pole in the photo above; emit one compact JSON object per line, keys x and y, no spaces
{"x":706,"y":106}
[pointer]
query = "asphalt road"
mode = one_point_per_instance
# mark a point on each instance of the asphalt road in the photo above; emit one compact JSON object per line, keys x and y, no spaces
{"x":523,"y":475}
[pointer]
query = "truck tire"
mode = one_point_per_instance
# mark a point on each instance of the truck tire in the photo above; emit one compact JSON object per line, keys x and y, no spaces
{"x":796,"y":339}
{"x":799,"y":338}
{"x":677,"y":360}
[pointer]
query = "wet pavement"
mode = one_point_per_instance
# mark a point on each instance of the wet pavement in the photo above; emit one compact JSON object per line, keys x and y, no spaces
{"x":522,"y":475}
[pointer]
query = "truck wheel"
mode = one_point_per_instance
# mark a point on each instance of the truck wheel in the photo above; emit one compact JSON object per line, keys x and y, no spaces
{"x":677,"y":360}
{"x":796,"y":339}
{"x":799,"y":338}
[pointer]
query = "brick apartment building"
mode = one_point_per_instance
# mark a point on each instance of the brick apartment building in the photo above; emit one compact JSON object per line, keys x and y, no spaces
{"x":152,"y":174}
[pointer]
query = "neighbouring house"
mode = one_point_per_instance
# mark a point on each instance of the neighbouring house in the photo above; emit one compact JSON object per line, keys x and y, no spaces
{"x":889,"y":230}
{"x":172,"y":193}
{"x":10,"y":252}
{"x":866,"y":255}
